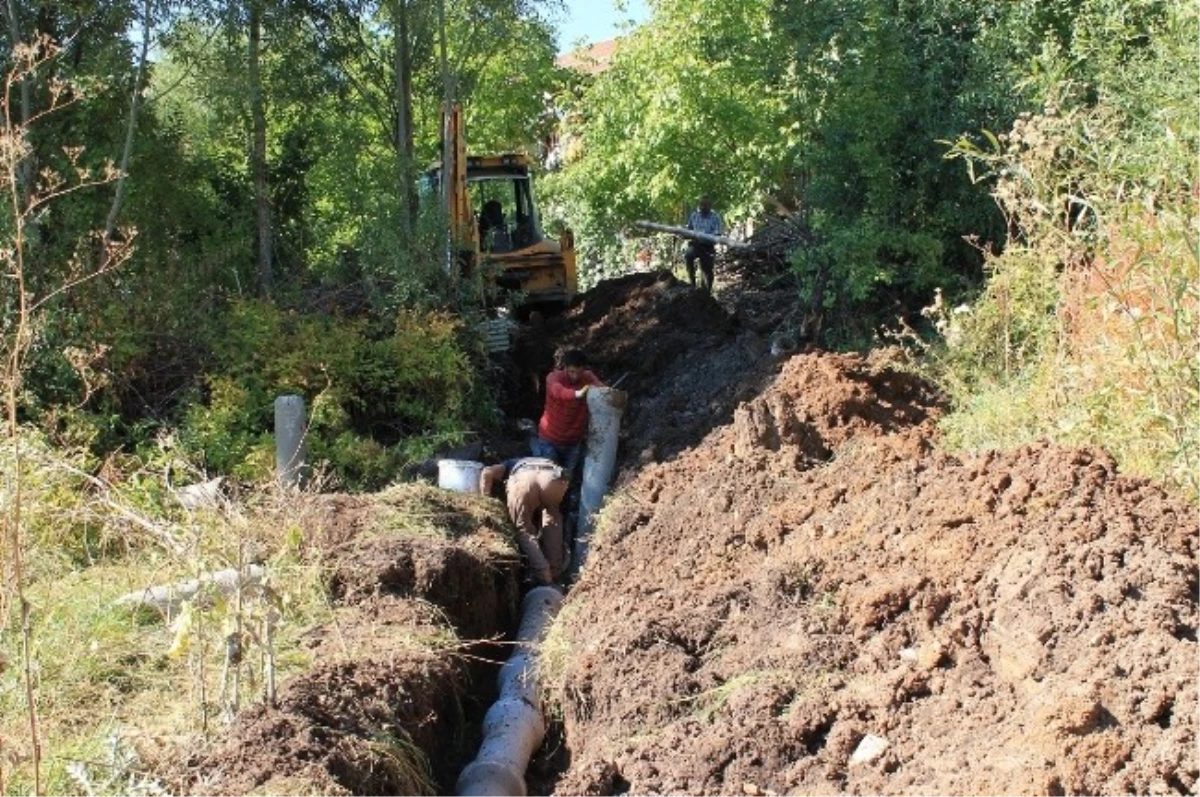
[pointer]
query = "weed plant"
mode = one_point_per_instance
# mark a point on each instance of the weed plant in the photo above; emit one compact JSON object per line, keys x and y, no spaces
{"x":1088,"y":328}
{"x":136,"y":680}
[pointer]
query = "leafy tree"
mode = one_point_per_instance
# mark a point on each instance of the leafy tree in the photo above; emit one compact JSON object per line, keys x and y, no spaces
{"x":883,"y":83}
{"x":696,"y":101}
{"x":324,"y":147}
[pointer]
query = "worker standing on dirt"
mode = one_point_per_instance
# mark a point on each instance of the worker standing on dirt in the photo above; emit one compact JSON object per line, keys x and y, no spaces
{"x":564,"y":423}
{"x":705,"y":220}
{"x":533,"y":484}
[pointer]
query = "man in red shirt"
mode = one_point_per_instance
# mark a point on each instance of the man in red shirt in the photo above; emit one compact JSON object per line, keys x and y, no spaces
{"x":564,"y":422}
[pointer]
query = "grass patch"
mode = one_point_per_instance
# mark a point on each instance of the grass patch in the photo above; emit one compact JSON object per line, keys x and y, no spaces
{"x":106,"y":678}
{"x":707,"y":704}
{"x":406,"y":764}
{"x":554,"y":654}
{"x":105,"y":672}
{"x":424,"y":511}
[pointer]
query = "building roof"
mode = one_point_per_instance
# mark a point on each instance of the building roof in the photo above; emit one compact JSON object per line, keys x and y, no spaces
{"x":591,"y":60}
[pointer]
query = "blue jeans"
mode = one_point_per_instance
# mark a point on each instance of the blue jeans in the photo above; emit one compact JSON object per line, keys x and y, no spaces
{"x":565,"y":456}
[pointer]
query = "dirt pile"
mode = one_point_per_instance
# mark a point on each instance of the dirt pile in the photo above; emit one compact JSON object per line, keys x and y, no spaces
{"x":419,"y":577}
{"x":815,"y":599}
{"x":685,"y":361}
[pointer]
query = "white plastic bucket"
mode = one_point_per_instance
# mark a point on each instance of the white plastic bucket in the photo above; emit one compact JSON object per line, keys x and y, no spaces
{"x":459,"y":475}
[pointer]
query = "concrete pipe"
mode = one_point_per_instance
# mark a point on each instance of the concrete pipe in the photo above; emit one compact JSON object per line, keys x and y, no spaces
{"x":291,"y":448}
{"x":514,"y":726}
{"x":605,"y":406}
{"x":169,"y":597}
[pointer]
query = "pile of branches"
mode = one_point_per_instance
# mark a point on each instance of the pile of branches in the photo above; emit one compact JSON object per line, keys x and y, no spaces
{"x":769,"y":247}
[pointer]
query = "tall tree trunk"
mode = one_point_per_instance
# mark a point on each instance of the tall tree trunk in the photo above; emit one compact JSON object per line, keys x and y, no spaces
{"x":135,"y":104}
{"x":405,"y":149}
{"x":444,"y":58}
{"x":25,"y":170}
{"x":258,"y":153}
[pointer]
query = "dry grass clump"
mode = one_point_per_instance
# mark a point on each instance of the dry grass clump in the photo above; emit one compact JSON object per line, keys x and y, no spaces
{"x":423,"y":510}
{"x":116,"y":686}
{"x":1087,"y":330}
{"x":1114,"y":364}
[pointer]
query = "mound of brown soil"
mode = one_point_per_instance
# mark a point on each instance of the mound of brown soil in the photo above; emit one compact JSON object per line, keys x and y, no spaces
{"x":815,"y":600}
{"x":682,"y":358}
{"x":420,"y":578}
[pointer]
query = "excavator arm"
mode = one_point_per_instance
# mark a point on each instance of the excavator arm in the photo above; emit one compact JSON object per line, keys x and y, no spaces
{"x":464,"y":235}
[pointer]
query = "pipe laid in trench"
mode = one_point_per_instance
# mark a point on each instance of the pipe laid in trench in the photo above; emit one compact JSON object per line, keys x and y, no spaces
{"x":514,"y":726}
{"x":605,"y":406}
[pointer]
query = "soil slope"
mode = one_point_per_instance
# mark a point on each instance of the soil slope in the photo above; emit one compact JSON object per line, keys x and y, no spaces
{"x":795,"y":591}
{"x":420,"y":578}
{"x":683,"y":359}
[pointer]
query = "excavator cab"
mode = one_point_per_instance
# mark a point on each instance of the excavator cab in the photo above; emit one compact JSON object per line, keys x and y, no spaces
{"x":494,"y":220}
{"x":507,"y":218}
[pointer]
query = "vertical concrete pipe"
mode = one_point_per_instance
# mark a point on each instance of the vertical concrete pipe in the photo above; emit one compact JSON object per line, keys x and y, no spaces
{"x":514,"y":726}
{"x":291,"y":449}
{"x":605,"y":406}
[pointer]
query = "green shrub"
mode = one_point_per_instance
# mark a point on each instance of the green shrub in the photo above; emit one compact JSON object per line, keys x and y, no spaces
{"x":1087,"y":332}
{"x":377,"y":398}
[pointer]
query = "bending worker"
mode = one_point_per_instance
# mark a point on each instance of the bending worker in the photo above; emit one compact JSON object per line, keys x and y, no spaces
{"x":564,"y":422}
{"x":533,"y":483}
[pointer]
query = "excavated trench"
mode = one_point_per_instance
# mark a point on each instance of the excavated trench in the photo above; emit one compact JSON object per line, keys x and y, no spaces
{"x":426,"y":589}
{"x":796,"y":590}
{"x":377,"y":689}
{"x":793,"y":590}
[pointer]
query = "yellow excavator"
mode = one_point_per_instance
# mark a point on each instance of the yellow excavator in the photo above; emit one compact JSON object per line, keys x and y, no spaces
{"x":494,"y":223}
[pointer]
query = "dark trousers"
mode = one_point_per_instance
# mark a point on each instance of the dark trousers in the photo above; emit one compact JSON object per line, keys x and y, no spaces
{"x":707,"y":255}
{"x":568,"y":457}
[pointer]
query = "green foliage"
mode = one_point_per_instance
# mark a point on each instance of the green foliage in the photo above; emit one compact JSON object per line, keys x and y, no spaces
{"x":1087,"y":330}
{"x":410,"y":387}
{"x":835,"y":108}
{"x":509,"y":71}
{"x":694,"y":103}
{"x":880,"y":85}
{"x":129,"y":351}
{"x":49,"y":485}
